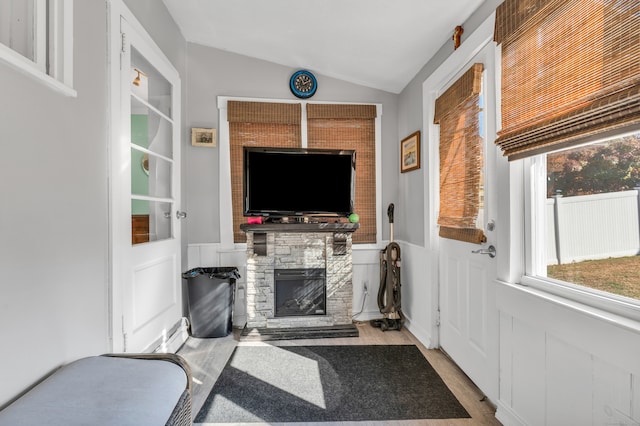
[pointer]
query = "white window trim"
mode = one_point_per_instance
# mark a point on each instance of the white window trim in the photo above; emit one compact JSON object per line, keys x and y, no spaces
{"x":608,"y":306}
{"x":226,"y":209}
{"x":60,"y":76}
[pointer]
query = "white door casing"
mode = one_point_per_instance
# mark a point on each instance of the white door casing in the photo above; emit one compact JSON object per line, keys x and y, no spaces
{"x":468,"y":323}
{"x":145,"y":277}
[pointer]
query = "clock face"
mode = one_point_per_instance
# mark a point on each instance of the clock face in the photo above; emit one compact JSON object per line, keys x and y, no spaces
{"x":303,"y":84}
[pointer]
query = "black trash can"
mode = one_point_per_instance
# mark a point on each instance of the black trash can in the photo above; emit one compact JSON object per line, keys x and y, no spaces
{"x":211,"y":295}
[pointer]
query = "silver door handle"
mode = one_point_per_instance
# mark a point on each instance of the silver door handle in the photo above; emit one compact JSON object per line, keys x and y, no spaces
{"x":491,"y":251}
{"x":181,"y":215}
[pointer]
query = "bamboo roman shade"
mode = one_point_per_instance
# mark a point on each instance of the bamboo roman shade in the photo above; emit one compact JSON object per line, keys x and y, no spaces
{"x":342,"y":126}
{"x":257,"y":124}
{"x":457,"y":111}
{"x":570,"y":70}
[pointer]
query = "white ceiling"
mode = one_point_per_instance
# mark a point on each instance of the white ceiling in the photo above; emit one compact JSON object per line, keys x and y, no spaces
{"x":376,"y":43}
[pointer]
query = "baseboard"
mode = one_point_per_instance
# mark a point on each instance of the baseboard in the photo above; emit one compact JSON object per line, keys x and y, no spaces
{"x":420,"y":333}
{"x":507,"y":417}
{"x":177,"y":336}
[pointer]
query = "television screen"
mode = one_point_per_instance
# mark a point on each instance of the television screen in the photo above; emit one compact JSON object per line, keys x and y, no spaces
{"x":298,"y":182}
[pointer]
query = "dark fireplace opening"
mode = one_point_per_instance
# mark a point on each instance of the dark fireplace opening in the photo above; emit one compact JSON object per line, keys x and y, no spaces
{"x":300,"y":292}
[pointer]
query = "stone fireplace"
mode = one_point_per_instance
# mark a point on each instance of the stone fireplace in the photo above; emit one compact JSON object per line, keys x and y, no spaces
{"x":299,"y":275}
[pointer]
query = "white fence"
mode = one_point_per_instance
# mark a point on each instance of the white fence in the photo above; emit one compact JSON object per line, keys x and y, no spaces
{"x":588,"y":227}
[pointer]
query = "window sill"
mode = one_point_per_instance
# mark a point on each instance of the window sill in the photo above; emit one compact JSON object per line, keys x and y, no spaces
{"x":19,"y":63}
{"x":610,"y":308}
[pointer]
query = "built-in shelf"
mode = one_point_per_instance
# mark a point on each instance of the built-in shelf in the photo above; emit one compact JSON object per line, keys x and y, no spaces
{"x":300,"y":227}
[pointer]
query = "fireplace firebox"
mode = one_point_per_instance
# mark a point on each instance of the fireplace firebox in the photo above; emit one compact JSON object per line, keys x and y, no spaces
{"x":300,"y":292}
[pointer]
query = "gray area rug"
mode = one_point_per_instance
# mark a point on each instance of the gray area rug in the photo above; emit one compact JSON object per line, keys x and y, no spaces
{"x":328,"y":383}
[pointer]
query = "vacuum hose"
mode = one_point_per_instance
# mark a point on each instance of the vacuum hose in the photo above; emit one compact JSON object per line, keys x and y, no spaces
{"x":389,"y":290}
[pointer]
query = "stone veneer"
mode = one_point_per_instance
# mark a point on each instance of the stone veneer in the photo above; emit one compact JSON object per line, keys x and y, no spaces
{"x":304,"y":248}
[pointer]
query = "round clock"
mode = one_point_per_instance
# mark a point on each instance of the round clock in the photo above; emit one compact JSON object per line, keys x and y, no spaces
{"x":303,"y":84}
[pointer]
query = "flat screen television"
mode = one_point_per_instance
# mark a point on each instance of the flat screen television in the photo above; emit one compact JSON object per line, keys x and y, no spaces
{"x":283,"y":182}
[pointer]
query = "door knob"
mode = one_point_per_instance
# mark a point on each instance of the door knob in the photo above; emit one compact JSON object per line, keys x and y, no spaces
{"x":491,"y":251}
{"x":181,"y":215}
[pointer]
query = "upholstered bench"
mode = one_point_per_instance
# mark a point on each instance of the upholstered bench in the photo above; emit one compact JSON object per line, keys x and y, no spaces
{"x":122,"y":389}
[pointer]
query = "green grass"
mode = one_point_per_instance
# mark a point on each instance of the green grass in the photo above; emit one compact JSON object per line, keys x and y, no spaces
{"x":619,"y":275}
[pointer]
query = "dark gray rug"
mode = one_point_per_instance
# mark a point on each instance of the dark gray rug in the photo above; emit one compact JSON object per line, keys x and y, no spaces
{"x":328,"y":383}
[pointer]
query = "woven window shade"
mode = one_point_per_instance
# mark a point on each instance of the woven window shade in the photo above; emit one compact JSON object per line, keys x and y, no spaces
{"x":257,"y":124}
{"x":457,"y":112}
{"x":350,"y":127}
{"x":570,"y":70}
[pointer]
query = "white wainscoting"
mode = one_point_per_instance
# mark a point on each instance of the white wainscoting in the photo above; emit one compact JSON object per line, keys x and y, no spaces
{"x":562,"y":363}
{"x":366,"y":270}
{"x":419,"y":273}
{"x":213,"y":255}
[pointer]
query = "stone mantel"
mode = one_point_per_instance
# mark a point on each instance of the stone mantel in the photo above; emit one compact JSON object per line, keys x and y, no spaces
{"x":278,"y":246}
{"x":300,"y":227}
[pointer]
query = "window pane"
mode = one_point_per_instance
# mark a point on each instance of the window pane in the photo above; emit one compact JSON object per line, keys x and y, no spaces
{"x":149,"y":85}
{"x":592,"y":216}
{"x":150,"y":130}
{"x":150,"y":221}
{"x":16,"y":26}
{"x":150,"y":175}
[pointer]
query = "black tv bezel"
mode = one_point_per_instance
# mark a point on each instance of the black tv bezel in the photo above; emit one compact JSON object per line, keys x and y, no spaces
{"x":302,"y":213}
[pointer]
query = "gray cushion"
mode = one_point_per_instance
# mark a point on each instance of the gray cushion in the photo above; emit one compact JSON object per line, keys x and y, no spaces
{"x":102,"y":391}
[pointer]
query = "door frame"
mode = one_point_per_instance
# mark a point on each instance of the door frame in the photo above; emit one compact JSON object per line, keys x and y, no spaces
{"x":480,"y":40}
{"x":430,"y":92}
{"x":117,"y":10}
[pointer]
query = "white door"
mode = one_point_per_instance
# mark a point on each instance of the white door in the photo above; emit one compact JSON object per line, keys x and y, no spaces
{"x":147,"y":297}
{"x":468,"y":316}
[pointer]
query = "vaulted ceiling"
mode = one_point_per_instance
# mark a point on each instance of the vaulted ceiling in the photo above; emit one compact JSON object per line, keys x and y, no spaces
{"x":376,"y":43}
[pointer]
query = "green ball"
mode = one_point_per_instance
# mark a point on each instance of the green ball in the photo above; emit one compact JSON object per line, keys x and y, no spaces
{"x":354,"y":218}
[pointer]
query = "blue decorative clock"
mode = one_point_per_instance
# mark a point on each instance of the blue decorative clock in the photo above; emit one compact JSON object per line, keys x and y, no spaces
{"x":303,"y":84}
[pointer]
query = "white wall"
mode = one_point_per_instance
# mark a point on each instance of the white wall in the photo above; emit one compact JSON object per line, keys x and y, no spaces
{"x":53,"y":220}
{"x":212,"y":73}
{"x":54,"y":235}
{"x":563,"y":363}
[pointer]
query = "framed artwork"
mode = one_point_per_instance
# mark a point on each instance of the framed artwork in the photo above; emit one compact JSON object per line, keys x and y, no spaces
{"x":410,"y":152}
{"x":203,"y":137}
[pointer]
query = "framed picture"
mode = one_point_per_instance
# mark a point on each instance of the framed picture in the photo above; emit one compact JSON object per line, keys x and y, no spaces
{"x":410,"y":152}
{"x":203,"y":137}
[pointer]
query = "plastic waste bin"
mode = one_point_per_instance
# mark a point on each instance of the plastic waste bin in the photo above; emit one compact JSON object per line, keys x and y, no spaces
{"x":211,"y":295}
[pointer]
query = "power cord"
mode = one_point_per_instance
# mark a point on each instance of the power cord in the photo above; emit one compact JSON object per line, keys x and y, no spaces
{"x":364,"y":298}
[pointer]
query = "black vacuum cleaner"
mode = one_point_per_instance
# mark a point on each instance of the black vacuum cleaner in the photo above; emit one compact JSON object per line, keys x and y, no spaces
{"x":389,"y":297}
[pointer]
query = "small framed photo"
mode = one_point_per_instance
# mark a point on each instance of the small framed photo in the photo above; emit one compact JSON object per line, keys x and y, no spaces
{"x":410,"y":152}
{"x":203,"y":137}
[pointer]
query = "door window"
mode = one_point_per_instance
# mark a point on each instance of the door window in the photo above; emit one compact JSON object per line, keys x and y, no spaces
{"x":152,"y":163}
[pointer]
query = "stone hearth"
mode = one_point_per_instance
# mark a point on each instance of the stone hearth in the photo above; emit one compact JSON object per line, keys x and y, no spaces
{"x":273,"y":247}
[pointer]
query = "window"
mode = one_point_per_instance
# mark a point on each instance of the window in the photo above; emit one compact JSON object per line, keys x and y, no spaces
{"x":329,"y":126}
{"x":570,"y":93}
{"x":588,"y":215}
{"x":36,"y":37}
{"x":342,"y":126}
{"x":257,"y":124}
{"x":458,"y":111}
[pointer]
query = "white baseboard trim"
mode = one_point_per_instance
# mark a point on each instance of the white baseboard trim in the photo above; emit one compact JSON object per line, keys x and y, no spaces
{"x":420,"y":333}
{"x":507,"y":416}
{"x":177,"y":337}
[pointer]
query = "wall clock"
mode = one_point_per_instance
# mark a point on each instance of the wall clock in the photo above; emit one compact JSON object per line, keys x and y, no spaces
{"x":303,"y":84}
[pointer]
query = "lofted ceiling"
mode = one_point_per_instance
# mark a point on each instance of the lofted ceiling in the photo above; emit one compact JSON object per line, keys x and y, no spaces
{"x":376,"y":43}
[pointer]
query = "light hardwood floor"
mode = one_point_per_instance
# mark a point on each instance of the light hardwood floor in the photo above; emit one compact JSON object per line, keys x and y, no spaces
{"x":207,"y":358}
